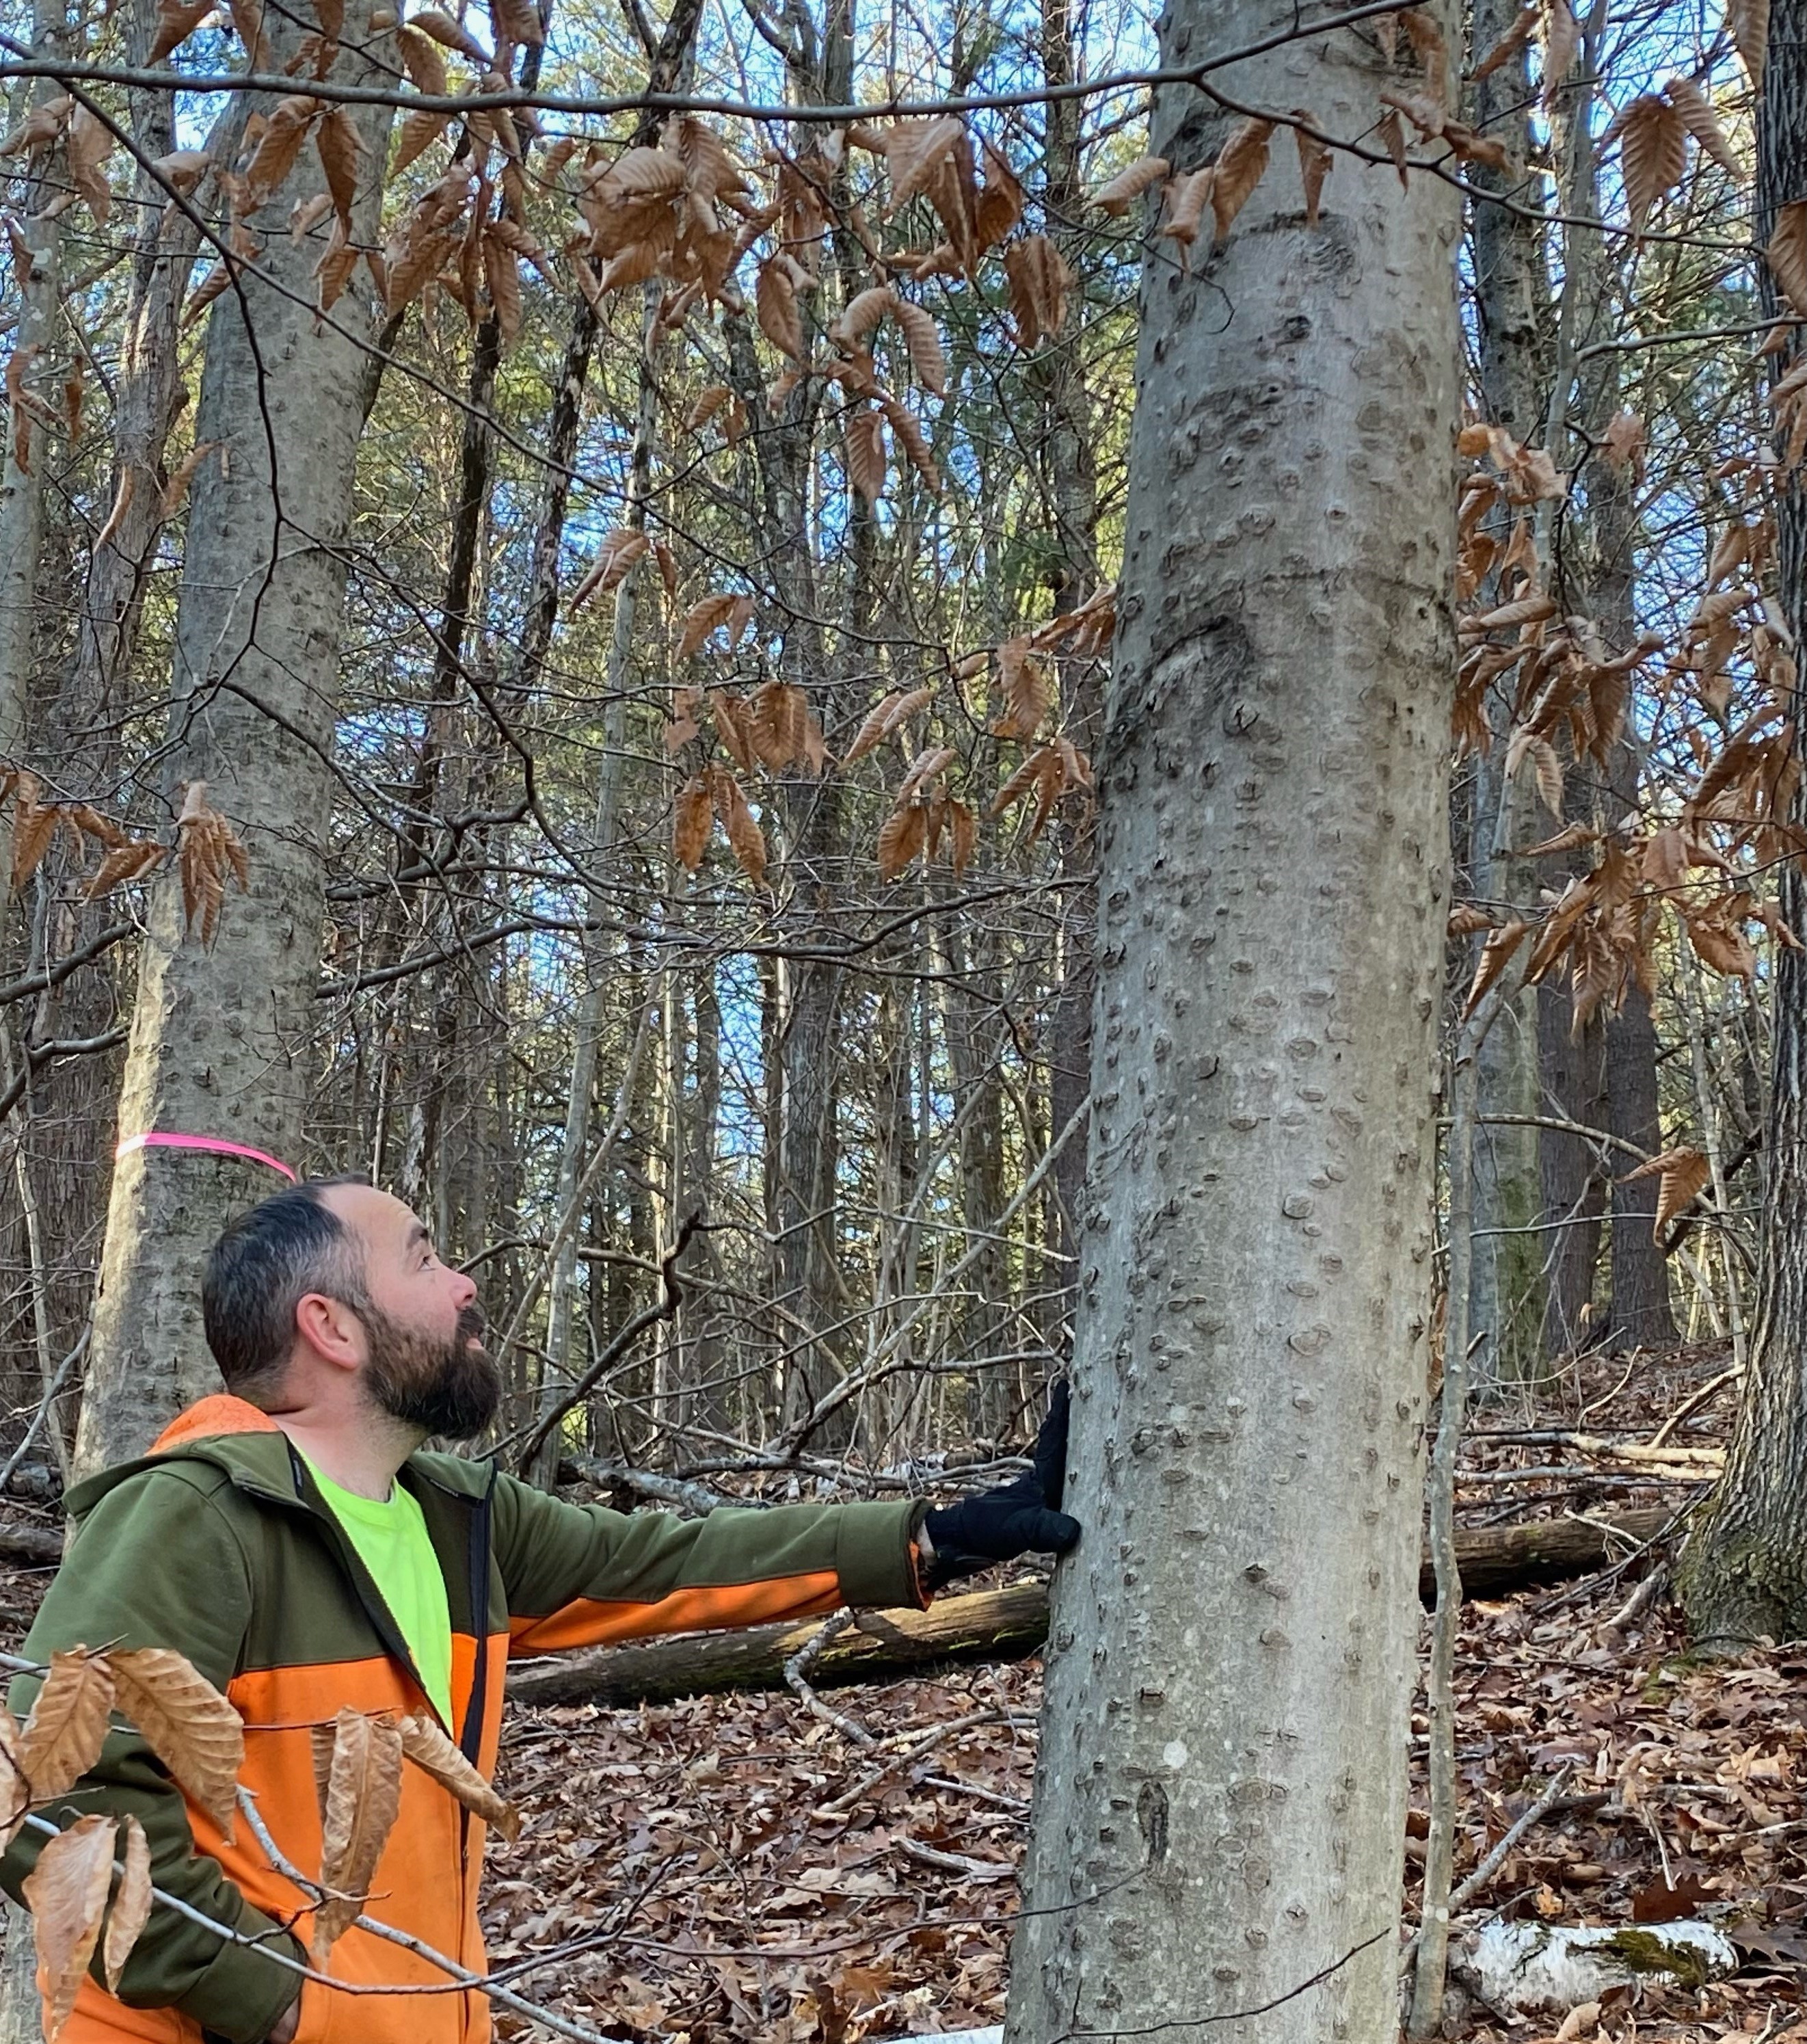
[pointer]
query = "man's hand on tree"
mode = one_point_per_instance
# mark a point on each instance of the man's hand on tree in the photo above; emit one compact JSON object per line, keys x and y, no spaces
{"x":1020,"y":1518}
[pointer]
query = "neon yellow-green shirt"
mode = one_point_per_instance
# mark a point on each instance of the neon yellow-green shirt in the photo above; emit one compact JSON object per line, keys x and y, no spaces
{"x":391,"y":1540}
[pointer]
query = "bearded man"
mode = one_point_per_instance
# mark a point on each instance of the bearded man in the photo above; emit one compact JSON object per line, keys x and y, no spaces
{"x":292,"y":1539}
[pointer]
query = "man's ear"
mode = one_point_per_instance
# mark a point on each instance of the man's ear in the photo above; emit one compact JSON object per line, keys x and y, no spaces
{"x":331,"y":1329}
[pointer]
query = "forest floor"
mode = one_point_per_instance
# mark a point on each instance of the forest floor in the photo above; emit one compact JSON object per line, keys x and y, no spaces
{"x":731,"y":1868}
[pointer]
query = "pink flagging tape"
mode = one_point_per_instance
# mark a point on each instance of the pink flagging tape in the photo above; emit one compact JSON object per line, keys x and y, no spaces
{"x":218,"y":1144}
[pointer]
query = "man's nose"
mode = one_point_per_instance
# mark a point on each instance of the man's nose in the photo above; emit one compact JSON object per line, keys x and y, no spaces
{"x":464,"y":1288}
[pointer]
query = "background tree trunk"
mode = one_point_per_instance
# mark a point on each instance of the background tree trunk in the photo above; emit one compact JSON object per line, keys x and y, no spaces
{"x":221,"y":1038}
{"x":1512,"y":294}
{"x":1743,"y":1573}
{"x":1255,"y":1286}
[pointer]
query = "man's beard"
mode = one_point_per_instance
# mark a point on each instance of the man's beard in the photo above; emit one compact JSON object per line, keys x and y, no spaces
{"x":451,"y":1388}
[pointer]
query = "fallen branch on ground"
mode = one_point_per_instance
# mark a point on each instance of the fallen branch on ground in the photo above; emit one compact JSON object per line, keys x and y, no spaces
{"x":997,"y":1625}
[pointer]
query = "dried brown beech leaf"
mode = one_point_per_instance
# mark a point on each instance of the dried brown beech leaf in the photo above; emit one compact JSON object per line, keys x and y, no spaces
{"x":63,"y":1735}
{"x":1039,"y":281}
{"x":619,"y":550}
{"x":90,"y":822}
{"x":421,"y":59}
{"x":923,"y":341}
{"x":901,"y":838}
{"x":333,"y":271}
{"x":1546,"y":765}
{"x":912,"y":440}
{"x":1702,"y":123}
{"x":1392,"y":134}
{"x":745,"y":839}
{"x":279,"y":147}
{"x":128,"y":862}
{"x":866,"y":452}
{"x":1715,"y":931}
{"x":516,"y":22}
{"x":501,"y":279}
{"x":181,"y":170}
{"x":1496,"y":955}
{"x":778,"y":714}
{"x":209,"y":851}
{"x":710,"y":402}
{"x":1429,"y":48}
{"x":1127,"y":186}
{"x":706,"y":616}
{"x":906,"y":707}
{"x":1187,"y":196}
{"x":40,"y":128}
{"x":1653,"y":154}
{"x":177,"y":19}
{"x":187,"y":1723}
{"x":131,"y":1906}
{"x":1515,"y":39}
{"x":67,"y":1893}
{"x":363,"y":1798}
{"x":775,"y":299}
{"x":691,"y":814}
{"x":1787,"y":253}
{"x":1562,"y":40}
{"x":1025,"y":689}
{"x":86,"y":150}
{"x":435,"y":22}
{"x":427,"y":1746}
{"x":915,"y":151}
{"x":1685,"y":1173}
{"x":686,"y":708}
{"x":963,"y":835}
{"x":1621,"y":446}
{"x":935,"y":759}
{"x":872,"y":733}
{"x":417,"y":134}
{"x":1568,"y":839}
{"x":999,"y":204}
{"x":733,"y":718}
{"x":1314,"y":161}
{"x":34,"y":826}
{"x":339,"y":146}
{"x":1240,"y":164}
{"x":1509,"y":617}
{"x":1466,"y":918}
{"x":1749,"y":21}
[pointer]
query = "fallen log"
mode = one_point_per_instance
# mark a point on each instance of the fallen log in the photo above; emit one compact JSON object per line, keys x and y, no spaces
{"x":30,"y":1543}
{"x":998,"y":1625}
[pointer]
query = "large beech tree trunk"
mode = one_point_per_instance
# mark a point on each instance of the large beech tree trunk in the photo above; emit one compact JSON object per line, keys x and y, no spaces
{"x":221,"y":1038}
{"x":1744,"y":1571}
{"x":1221,"y":1791}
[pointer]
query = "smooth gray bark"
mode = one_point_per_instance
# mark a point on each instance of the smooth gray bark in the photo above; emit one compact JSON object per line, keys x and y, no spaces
{"x":1220,"y":1793}
{"x":221,"y":1038}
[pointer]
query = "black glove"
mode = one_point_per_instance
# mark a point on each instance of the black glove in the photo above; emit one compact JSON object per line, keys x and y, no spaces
{"x":1020,"y":1518}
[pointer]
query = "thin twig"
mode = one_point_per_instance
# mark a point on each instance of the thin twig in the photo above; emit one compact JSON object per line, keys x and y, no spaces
{"x":1497,"y":1859}
{"x":797,"y":1671}
{"x":44,"y":1405}
{"x":666,"y":1309}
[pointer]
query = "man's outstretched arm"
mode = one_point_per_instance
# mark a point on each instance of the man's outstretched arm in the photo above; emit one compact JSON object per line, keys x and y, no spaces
{"x":583,"y":1575}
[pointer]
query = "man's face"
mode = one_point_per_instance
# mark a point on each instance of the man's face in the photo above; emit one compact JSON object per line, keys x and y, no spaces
{"x":426,"y":1363}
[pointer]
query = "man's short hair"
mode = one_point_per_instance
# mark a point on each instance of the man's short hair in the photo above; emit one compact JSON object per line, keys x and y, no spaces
{"x":261,"y":1268}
